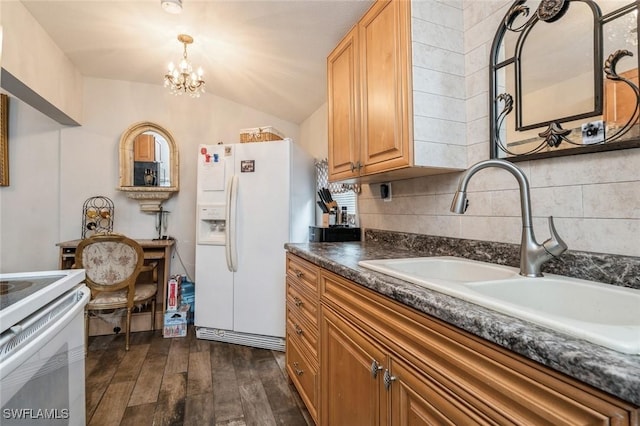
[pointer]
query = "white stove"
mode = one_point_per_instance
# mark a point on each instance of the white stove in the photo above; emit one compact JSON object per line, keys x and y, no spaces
{"x":42,"y":347}
{"x":23,"y":293}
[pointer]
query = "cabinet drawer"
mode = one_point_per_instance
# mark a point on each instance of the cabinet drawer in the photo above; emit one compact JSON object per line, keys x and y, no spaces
{"x":305,"y":336}
{"x":304,"y":272}
{"x":299,"y":302}
{"x":304,"y":376}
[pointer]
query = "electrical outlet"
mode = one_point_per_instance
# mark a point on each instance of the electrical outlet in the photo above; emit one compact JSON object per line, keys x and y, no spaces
{"x":385,"y":191}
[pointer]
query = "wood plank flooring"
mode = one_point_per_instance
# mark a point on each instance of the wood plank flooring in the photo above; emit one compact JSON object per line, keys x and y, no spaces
{"x":186,"y":381}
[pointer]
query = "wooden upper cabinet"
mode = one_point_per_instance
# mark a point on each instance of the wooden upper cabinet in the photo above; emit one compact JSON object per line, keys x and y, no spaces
{"x":344,"y":132}
{"x":385,"y":73}
{"x":369,"y":94}
{"x":402,"y":128}
{"x":144,"y":148}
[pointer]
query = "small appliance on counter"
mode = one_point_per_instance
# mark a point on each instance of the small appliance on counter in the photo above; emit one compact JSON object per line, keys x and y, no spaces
{"x":333,"y":234}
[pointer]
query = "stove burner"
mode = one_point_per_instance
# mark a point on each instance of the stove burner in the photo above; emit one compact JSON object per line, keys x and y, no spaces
{"x":14,"y":285}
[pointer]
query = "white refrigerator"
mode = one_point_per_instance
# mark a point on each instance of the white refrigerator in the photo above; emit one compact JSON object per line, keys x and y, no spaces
{"x":252,"y":198}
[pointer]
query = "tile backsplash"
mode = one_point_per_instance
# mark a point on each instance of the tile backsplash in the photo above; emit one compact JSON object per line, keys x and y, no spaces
{"x":594,"y":198}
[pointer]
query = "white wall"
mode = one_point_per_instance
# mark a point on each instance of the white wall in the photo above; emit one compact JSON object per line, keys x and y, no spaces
{"x":594,"y":198}
{"x":81,"y":162}
{"x":314,"y":133}
{"x":30,"y":206}
{"x":31,"y":56}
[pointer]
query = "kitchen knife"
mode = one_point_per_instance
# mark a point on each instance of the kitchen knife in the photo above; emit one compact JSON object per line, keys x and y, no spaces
{"x":323,"y":207}
{"x":327,"y":195}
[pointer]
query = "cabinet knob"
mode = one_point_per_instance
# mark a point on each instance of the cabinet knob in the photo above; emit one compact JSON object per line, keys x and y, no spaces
{"x":388,"y":379}
{"x":375,"y":367}
{"x":298,"y":330}
{"x":296,"y":368}
{"x":298,"y":273}
{"x":298,"y":302}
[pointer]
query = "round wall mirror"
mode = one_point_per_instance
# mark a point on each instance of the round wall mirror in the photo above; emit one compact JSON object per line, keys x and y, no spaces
{"x":149,"y":165}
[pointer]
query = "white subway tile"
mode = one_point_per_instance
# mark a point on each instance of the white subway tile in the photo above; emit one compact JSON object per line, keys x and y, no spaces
{"x":612,"y":200}
{"x":430,"y":57}
{"x":445,"y":13}
{"x":440,"y":155}
{"x":427,"y":129}
{"x":438,"y":83}
{"x":437,"y":106}
{"x":436,"y":35}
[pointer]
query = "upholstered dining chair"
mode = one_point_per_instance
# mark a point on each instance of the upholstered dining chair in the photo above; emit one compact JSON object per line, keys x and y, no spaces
{"x":112,"y":264}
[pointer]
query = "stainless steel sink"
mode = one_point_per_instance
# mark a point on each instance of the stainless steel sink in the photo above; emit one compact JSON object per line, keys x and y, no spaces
{"x":603,"y":314}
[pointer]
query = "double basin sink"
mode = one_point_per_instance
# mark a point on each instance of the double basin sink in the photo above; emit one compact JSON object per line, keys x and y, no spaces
{"x":600,"y":313}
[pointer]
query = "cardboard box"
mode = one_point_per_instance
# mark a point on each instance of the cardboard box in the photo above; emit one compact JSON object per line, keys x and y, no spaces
{"x":175,"y":322}
{"x":173,"y":293}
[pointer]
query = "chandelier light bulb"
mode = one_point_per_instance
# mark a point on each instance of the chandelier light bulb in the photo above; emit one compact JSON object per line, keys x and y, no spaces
{"x":171,"y":6}
{"x":182,"y":79}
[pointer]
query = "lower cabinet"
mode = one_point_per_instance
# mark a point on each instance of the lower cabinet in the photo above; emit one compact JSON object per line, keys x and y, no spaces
{"x":352,"y":392}
{"x":302,"y":330}
{"x":360,"y":358}
{"x":383,"y":363}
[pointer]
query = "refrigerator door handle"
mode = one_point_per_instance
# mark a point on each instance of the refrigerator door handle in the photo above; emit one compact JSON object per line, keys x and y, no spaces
{"x":230,"y":230}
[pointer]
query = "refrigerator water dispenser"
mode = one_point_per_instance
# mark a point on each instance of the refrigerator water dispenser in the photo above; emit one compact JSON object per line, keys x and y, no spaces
{"x":211,"y":224}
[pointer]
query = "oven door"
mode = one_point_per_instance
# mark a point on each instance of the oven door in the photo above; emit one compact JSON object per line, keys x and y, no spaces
{"x":42,"y":365}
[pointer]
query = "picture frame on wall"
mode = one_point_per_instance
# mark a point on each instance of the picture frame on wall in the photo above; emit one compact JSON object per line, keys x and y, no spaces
{"x":4,"y":140}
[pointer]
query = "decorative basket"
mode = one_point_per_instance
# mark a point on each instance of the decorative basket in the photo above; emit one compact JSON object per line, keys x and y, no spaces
{"x":260,"y":134}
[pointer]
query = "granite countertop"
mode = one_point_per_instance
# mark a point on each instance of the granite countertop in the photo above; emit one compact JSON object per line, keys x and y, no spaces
{"x":605,"y":369}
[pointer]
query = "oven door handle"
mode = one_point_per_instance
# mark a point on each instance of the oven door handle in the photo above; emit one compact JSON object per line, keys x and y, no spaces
{"x":26,"y":337}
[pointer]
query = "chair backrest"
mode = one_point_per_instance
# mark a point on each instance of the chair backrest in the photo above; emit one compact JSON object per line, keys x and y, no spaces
{"x":111,"y":262}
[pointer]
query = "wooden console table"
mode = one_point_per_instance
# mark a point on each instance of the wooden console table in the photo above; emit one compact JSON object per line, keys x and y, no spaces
{"x":154,"y":250}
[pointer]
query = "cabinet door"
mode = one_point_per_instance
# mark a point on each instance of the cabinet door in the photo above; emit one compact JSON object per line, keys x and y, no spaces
{"x":351,"y":390}
{"x":385,"y":81}
{"x":144,"y":148}
{"x":342,"y":100}
{"x":419,"y":400}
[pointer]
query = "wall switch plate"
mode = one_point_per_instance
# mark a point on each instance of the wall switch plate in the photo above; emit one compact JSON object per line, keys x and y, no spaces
{"x":385,"y":191}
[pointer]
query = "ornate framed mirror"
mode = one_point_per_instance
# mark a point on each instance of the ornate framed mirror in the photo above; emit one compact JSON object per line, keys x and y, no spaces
{"x":149,"y":165}
{"x":564,"y":79}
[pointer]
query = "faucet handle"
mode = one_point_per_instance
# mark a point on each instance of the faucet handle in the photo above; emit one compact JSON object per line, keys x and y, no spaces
{"x":554,"y":245}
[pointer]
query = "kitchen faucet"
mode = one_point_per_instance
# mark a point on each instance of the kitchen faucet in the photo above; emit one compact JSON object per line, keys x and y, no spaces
{"x":532,"y":254}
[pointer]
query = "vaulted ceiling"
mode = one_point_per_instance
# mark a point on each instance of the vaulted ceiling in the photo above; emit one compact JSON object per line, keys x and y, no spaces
{"x":270,"y":55}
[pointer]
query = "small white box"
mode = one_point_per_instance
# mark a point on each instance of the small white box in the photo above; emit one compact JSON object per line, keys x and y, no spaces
{"x":175,"y":322}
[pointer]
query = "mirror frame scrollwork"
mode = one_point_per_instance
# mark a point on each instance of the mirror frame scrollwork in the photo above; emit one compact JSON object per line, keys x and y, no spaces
{"x":149,"y":197}
{"x":554,"y":135}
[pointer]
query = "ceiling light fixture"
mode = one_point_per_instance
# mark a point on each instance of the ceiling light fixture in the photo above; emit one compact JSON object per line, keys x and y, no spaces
{"x":182,"y":79}
{"x":172,"y":6}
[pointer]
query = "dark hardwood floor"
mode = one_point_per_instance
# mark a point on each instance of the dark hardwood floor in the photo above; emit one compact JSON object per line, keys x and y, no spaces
{"x":186,"y":381}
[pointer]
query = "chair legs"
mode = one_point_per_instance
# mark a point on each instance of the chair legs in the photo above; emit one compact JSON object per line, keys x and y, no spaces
{"x":153,"y":314}
{"x":128,"y":329}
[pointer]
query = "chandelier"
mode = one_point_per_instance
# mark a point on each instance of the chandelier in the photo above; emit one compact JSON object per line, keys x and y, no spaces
{"x":182,"y":79}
